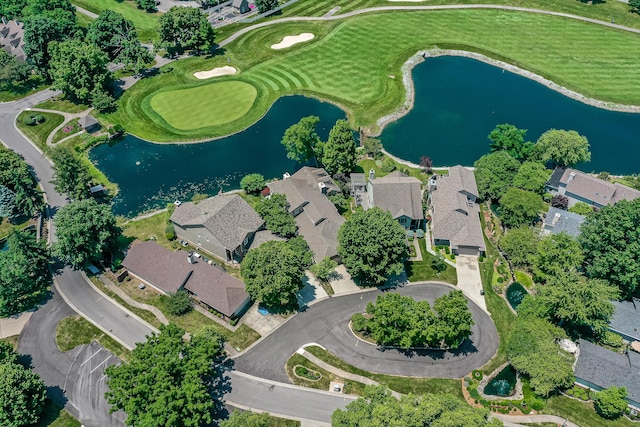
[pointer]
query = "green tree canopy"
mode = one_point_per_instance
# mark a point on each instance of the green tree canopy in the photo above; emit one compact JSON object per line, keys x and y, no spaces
{"x":12,"y":9}
{"x":564,"y":147}
{"x":252,"y":183}
{"x":302,"y":141}
{"x":532,"y":350}
{"x":86,"y":232}
{"x":15,"y":174}
{"x":275,"y":212}
{"x":273,"y":272}
{"x":532,"y":176}
{"x":494,"y":174}
{"x":12,"y":71}
{"x":40,"y":30}
{"x":372,"y":246}
{"x":22,"y":396}
{"x":339,"y":152}
{"x":581,"y":208}
{"x":520,"y":207}
{"x":378,"y":408}
{"x":147,"y":5}
{"x":324,"y":269}
{"x":39,"y":7}
{"x":556,"y":254}
{"x":24,"y":273}
{"x":169,"y":381}
{"x":610,"y":240}
{"x":577,"y":304}
{"x":71,"y":176}
{"x":7,"y":202}
{"x":611,"y":402}
{"x":185,"y":28}
{"x":77,"y":68}
{"x":266,"y":5}
{"x":7,"y":355}
{"x":109,"y":30}
{"x":634,"y":6}
{"x":510,"y":139}
{"x":520,"y":245}
{"x":247,"y":419}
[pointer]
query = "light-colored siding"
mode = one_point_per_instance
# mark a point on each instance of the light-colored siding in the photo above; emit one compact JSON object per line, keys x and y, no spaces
{"x":202,"y":238}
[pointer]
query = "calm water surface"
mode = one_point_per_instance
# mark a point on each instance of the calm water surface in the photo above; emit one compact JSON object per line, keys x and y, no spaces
{"x":460,"y":100}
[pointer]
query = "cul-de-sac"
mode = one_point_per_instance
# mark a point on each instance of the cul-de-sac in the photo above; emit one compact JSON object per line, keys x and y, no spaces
{"x":315,"y":213}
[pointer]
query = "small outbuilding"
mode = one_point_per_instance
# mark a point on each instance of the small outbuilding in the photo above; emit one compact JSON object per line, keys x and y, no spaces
{"x":241,"y":6}
{"x":89,"y":123}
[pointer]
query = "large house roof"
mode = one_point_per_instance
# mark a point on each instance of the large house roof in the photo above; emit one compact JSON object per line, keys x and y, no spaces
{"x":12,"y":38}
{"x":455,"y":216}
{"x":399,"y":194}
{"x":228,"y":217}
{"x":558,"y":221}
{"x":590,"y":187}
{"x":626,"y":318}
{"x":319,"y":221}
{"x":169,"y":271}
{"x":605,"y":368}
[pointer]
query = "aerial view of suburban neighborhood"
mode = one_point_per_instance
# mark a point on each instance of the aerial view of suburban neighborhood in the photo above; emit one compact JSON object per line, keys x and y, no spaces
{"x":316,"y":213}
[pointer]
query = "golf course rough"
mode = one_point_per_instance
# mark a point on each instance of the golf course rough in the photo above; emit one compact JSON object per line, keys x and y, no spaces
{"x":207,"y":105}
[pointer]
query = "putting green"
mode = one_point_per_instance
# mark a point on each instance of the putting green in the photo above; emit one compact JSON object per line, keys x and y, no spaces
{"x":201,"y":106}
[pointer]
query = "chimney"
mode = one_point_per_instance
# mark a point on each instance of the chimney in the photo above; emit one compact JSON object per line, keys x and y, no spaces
{"x":323,"y":187}
{"x":190,"y":257}
{"x":372,"y":174}
{"x":286,"y":175}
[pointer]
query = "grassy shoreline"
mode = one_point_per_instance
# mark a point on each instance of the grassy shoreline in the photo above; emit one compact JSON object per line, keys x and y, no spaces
{"x":356,"y":63}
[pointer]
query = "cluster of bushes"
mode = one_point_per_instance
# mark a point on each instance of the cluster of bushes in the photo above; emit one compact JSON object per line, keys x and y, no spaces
{"x":579,"y":392}
{"x":34,"y":119}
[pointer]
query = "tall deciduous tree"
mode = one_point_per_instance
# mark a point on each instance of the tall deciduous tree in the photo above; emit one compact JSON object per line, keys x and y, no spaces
{"x":273,"y":272}
{"x":266,"y":5}
{"x":378,"y":408}
{"x":22,"y":396}
{"x":252,"y":183}
{"x":15,"y":174}
{"x":556,"y":254}
{"x":324,"y":269}
{"x":634,"y":6}
{"x":109,"y":30}
{"x":339,"y":152}
{"x":86,"y":232}
{"x":24,"y":273}
{"x":147,"y":5}
{"x":372,"y":246}
{"x":12,"y":71}
{"x":38,"y":7}
{"x":520,"y":207}
{"x":77,"y":68}
{"x":247,"y":419}
{"x":494,"y":174}
{"x":532,"y":350}
{"x":532,"y":176}
{"x":510,"y":139}
{"x":169,"y":381}
{"x":302,"y":141}
{"x":40,"y":30}
{"x":520,"y":245}
{"x":609,"y":239}
{"x":564,"y":148}
{"x":12,"y":9}
{"x":71,"y":175}
{"x":275,"y":212}
{"x":185,"y":28}
{"x":577,"y":304}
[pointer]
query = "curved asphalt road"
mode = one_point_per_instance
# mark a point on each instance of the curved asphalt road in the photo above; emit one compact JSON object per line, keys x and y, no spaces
{"x":326,"y":323}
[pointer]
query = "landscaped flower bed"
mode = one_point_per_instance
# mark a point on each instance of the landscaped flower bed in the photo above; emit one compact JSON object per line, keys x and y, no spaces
{"x":306,"y":373}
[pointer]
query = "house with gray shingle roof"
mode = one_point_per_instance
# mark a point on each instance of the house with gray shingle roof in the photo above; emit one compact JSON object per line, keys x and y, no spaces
{"x":317,"y":218}
{"x":455,"y":212}
{"x":224,"y":225}
{"x":12,"y":38}
{"x":599,"y":368}
{"x":398,"y":194}
{"x":626,"y":319}
{"x":167,"y":272}
{"x":560,"y":221}
{"x":578,"y":186}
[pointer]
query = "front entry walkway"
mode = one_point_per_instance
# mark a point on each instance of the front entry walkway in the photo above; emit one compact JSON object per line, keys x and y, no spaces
{"x":469,"y":280}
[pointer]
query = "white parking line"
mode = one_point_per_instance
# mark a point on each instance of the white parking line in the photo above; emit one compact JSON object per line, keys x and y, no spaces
{"x":91,"y":357}
{"x":101,"y":363}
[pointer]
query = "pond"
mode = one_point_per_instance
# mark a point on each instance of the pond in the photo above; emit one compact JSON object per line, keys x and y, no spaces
{"x":152,"y":175}
{"x":515,"y":294}
{"x":460,"y":100}
{"x":502,"y":384}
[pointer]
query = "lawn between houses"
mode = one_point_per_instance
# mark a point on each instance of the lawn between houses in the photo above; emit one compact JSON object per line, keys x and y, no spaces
{"x":356,"y":63}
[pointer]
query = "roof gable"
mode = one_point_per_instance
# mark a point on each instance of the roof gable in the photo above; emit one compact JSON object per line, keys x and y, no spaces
{"x":398,"y":194}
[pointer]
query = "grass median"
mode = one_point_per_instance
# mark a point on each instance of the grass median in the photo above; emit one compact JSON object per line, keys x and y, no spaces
{"x":356,"y":62}
{"x":73,"y":331}
{"x":39,"y":132}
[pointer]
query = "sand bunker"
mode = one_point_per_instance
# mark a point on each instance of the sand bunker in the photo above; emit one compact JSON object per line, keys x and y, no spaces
{"x":289,"y":41}
{"x":221,"y":71}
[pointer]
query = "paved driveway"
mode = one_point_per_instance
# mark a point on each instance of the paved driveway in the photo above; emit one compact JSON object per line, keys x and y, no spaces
{"x":326,"y":323}
{"x":469,"y":280}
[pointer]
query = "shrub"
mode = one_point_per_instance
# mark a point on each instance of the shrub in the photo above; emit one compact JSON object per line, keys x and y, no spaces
{"x":252,"y":183}
{"x":536,"y":404}
{"x":610,"y":403}
{"x":30,"y":121}
{"x":438,"y":264}
{"x":169,"y":232}
{"x":500,"y":279}
{"x":179,"y":303}
{"x":612,"y":339}
{"x":234,"y":322}
{"x":388,"y":165}
{"x":480,"y":258}
{"x":477,"y":375}
{"x":447,"y":250}
{"x":452,"y":257}
{"x":358,"y":322}
{"x":39,"y":118}
{"x":420,"y":233}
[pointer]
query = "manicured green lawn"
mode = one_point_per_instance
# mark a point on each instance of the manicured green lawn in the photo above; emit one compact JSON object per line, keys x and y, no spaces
{"x":73,"y":331}
{"x":144,"y":22}
{"x":350,"y":62}
{"x":61,"y":134}
{"x":419,"y":271}
{"x":83,"y":20}
{"x":203,"y":106}
{"x":524,"y":279}
{"x":39,"y":133}
{"x":6,"y":226}
{"x":13,"y":340}
{"x":403,"y":385}
{"x":61,"y":104}
{"x":580,"y":413}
